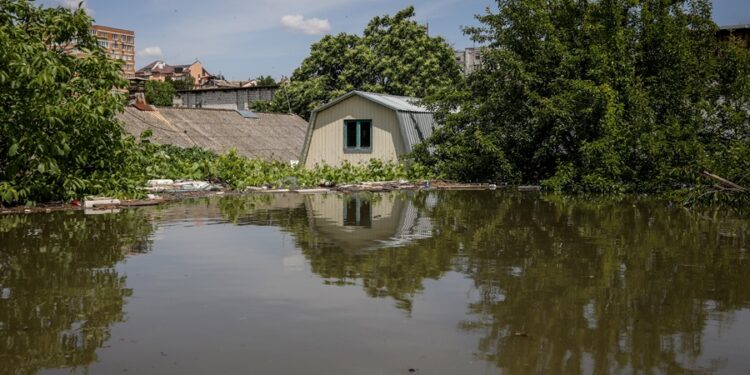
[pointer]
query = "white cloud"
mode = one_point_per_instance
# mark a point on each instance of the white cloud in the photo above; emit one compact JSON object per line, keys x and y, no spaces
{"x":73,"y":5}
{"x":312,"y":26}
{"x":154,"y":51}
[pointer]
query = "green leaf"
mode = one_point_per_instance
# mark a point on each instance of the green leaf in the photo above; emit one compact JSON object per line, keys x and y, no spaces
{"x":13,"y":151}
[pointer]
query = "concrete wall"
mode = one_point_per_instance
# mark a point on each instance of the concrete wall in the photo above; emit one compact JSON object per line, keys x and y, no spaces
{"x":469,"y":60}
{"x":327,"y":142}
{"x":225,"y":99}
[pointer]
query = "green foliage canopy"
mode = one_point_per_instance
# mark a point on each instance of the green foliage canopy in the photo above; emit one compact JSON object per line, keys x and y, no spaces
{"x":395,"y":55}
{"x":603,"y":96}
{"x":161,"y":93}
{"x":265,"y":81}
{"x":185,"y":83}
{"x":57,"y":103}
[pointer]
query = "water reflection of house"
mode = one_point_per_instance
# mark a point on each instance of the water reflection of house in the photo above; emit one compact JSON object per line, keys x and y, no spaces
{"x":366,"y":221}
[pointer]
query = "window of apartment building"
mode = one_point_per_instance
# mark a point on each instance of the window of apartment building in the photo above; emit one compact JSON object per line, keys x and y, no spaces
{"x":103,"y":43}
{"x":358,"y":135}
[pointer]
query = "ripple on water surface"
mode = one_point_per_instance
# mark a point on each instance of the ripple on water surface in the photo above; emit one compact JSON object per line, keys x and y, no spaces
{"x":419,"y":282}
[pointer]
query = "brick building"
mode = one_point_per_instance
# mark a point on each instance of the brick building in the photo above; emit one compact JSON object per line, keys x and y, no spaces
{"x":119,"y":45}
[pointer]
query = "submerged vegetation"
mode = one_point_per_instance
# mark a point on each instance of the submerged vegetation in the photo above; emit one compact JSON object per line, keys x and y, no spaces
{"x":239,"y":172}
{"x":143,"y":161}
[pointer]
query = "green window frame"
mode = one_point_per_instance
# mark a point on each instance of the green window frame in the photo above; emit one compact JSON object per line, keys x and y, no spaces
{"x":358,"y":135}
{"x":357,"y":212}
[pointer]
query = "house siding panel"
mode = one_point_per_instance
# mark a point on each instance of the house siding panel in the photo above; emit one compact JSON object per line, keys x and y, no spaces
{"x":327,"y":143}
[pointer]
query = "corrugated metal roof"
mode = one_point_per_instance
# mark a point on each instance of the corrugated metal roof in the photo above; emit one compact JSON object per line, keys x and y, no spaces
{"x":416,"y":127}
{"x":247,"y":114}
{"x":268,"y":136}
{"x":394,"y":102}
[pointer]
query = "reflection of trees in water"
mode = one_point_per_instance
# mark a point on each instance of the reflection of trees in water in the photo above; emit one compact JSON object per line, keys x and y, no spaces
{"x":562,"y":284}
{"x":397,"y":273}
{"x":59,"y":292}
{"x":622,"y":286}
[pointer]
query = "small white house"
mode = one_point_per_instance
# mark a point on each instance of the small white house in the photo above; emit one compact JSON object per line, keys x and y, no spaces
{"x":360,"y":126}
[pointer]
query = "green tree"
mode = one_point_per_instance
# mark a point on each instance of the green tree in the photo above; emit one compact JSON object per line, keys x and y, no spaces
{"x":187,"y":83}
{"x":58,"y":102}
{"x":160,"y":93}
{"x":266,"y":81}
{"x":605,"y":96}
{"x":395,"y":55}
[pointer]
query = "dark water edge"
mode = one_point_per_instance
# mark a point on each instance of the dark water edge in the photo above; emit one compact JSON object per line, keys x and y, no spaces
{"x":450,"y":282}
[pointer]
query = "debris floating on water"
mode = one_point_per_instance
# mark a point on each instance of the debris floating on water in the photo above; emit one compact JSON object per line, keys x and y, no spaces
{"x":100,"y":202}
{"x":171,"y":186}
{"x":530,"y":188}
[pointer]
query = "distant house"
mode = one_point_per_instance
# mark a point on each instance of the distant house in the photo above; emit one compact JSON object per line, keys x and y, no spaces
{"x":266,"y":136}
{"x":239,"y":98}
{"x":160,"y":71}
{"x":360,"y":126}
{"x":741,"y":32}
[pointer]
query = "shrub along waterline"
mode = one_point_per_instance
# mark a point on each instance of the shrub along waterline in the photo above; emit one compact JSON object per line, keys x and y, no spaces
{"x":144,"y":161}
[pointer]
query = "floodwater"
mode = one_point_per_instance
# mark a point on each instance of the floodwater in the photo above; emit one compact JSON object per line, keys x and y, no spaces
{"x":402,"y":283}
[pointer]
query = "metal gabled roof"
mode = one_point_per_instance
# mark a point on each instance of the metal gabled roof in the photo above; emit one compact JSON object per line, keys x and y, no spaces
{"x":416,"y":127}
{"x":394,"y":102}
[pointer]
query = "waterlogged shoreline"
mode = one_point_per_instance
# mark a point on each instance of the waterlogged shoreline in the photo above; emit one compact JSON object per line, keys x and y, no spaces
{"x":172,"y":197}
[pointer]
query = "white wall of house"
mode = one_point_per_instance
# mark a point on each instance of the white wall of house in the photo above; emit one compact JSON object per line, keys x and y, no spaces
{"x":327,"y":141}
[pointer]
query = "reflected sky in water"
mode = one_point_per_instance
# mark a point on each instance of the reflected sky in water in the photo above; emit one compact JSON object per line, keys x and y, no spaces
{"x":440,"y":282}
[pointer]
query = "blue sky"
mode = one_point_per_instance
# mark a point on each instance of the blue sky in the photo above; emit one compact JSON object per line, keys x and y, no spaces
{"x":247,"y":38}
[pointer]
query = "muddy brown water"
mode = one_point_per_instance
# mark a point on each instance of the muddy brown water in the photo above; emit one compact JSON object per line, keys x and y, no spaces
{"x":452,"y":282}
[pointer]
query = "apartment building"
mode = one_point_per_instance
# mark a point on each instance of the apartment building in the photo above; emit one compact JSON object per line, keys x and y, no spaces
{"x":119,"y":45}
{"x":469,"y":60}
